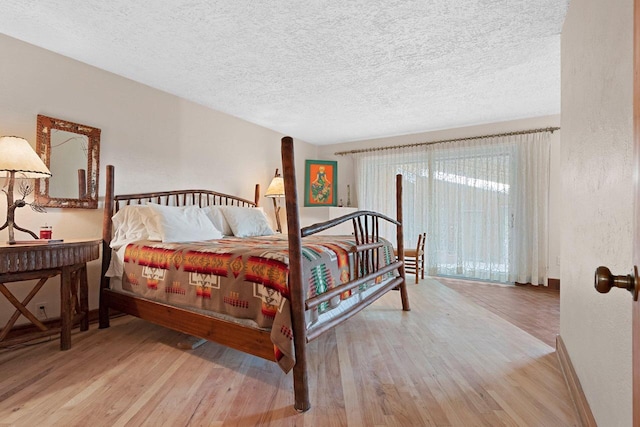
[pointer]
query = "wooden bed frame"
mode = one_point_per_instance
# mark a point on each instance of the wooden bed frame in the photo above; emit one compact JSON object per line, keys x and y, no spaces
{"x":245,"y":339}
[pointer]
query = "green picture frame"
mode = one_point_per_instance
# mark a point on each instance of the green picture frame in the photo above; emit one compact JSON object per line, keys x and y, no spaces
{"x":321,"y":183}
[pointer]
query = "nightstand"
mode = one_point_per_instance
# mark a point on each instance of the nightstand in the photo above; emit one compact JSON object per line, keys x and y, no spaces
{"x":68,"y":259}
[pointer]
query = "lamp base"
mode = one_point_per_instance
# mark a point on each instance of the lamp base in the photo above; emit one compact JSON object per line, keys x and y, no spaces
{"x":11,"y":225}
{"x":276,"y":208}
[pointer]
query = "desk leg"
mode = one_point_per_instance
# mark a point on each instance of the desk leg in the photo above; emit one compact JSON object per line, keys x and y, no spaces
{"x":83,"y":294}
{"x":66,"y":309}
{"x":21,"y":308}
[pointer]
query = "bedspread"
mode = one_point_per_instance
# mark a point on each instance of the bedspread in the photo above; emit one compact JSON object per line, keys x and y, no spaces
{"x":246,"y":278}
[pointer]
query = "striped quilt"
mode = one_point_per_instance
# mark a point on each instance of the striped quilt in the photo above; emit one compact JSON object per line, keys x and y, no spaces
{"x":246,"y":278}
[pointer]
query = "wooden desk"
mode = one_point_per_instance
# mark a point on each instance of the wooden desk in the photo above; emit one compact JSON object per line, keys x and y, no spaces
{"x":27,"y":262}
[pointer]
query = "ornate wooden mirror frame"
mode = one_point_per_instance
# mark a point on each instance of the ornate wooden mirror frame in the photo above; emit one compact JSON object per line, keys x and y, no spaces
{"x":85,"y":145}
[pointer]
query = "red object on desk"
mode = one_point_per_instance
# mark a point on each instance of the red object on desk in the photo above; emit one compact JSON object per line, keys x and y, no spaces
{"x":46,"y":231}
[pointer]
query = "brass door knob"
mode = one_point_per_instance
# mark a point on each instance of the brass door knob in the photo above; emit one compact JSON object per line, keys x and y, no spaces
{"x":604,"y":281}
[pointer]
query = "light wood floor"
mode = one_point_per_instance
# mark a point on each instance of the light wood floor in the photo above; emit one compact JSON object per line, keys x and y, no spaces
{"x":448,"y":362}
{"x":534,"y":309}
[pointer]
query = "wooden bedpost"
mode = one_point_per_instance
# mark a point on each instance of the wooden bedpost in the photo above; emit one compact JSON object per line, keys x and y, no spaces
{"x":107,"y":228}
{"x":296,"y":287}
{"x":400,"y":244}
{"x":256,"y":197}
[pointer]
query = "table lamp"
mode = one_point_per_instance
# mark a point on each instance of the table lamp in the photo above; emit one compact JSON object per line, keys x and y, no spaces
{"x":18,"y":160}
{"x":276,"y":191}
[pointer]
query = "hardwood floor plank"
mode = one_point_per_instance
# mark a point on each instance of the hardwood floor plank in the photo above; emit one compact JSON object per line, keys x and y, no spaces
{"x":354,"y":415}
{"x":448,"y":362}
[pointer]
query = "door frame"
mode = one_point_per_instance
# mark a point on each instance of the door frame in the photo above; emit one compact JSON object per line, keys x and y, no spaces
{"x":636,"y":238}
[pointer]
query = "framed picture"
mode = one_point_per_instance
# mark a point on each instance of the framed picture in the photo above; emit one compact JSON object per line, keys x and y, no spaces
{"x":321,"y":183}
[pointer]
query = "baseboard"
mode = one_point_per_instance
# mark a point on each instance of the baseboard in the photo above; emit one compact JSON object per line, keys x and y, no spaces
{"x":552,"y":285}
{"x":585,"y":416}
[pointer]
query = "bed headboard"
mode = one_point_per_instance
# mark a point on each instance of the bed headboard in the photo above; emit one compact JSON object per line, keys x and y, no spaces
{"x":184,"y":198}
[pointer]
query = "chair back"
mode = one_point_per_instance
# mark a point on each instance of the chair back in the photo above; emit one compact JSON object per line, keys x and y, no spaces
{"x":422,"y":237}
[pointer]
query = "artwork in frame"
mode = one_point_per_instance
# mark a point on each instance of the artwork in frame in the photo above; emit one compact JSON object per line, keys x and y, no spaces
{"x":321,"y":183}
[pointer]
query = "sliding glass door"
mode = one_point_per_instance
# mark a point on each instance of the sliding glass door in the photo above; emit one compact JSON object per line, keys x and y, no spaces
{"x":470,"y":212}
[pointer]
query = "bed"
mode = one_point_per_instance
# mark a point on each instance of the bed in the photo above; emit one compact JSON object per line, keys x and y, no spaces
{"x":264,"y":295}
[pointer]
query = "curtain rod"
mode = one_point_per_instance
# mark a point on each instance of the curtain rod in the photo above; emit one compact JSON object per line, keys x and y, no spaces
{"x":418,"y":144}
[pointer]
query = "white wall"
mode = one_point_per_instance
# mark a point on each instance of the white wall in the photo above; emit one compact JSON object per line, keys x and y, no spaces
{"x":155,"y":140}
{"x":347,"y":173}
{"x":597,"y":190}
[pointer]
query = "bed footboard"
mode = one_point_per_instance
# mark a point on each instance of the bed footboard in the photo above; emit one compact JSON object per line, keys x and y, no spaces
{"x":368,"y":266}
{"x":365,"y":253}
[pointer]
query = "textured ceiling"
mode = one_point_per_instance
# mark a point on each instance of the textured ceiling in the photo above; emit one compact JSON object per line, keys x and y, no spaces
{"x":325,"y":71}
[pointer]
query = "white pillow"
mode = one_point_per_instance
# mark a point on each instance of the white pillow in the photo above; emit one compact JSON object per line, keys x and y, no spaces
{"x":131,"y":223}
{"x":151,"y":223}
{"x":183,"y":224}
{"x":215,"y":215}
{"x":247,"y":222}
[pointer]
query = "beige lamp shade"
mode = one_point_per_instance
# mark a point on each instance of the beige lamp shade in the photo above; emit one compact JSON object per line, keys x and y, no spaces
{"x":276,"y":188}
{"x":16,"y":155}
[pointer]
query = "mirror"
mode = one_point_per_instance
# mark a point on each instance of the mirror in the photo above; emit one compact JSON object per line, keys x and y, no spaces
{"x":71,"y":151}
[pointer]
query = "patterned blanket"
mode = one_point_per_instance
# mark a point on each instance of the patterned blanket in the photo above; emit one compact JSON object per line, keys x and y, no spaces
{"x":246,"y":278}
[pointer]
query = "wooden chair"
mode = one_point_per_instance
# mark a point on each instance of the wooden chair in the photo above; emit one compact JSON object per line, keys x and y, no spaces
{"x":414,"y":258}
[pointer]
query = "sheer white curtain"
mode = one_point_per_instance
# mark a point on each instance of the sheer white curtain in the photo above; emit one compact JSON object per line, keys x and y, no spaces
{"x":483,"y":203}
{"x":530,"y":248}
